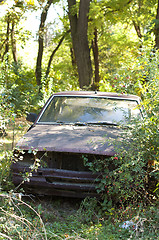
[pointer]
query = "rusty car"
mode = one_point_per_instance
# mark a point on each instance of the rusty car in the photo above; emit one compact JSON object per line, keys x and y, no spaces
{"x":49,"y":159}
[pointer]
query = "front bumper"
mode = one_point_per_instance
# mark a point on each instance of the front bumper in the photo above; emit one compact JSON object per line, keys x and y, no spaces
{"x":58,"y":182}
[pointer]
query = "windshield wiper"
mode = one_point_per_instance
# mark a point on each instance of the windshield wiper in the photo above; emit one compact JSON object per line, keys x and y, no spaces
{"x":60,"y":122}
{"x":71,"y":123}
{"x":80,"y":124}
{"x":103,"y":123}
{"x":88,"y":123}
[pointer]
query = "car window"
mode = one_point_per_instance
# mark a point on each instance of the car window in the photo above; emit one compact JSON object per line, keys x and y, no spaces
{"x":89,"y":109}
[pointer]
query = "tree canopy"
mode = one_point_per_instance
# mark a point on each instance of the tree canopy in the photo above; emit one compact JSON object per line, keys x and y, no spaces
{"x":88,"y":46}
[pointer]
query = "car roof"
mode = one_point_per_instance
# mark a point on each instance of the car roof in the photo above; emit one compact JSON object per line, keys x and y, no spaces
{"x":98,"y":94}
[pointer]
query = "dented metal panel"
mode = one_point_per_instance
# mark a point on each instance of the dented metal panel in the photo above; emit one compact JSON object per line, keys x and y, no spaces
{"x":81,"y":183}
{"x":69,"y":138}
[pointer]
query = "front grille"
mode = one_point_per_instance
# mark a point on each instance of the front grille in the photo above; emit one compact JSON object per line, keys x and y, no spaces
{"x":62,"y":174}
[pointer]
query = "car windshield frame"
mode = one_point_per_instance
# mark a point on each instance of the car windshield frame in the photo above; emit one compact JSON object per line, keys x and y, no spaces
{"x":84,"y":122}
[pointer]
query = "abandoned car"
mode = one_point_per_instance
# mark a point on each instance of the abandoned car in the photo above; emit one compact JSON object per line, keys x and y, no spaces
{"x":49,"y":159}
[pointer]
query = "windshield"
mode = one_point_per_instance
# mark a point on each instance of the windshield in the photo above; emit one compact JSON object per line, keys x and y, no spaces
{"x":68,"y":109}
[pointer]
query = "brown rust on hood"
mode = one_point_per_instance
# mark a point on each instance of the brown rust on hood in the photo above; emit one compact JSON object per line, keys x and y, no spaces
{"x":73,"y":139}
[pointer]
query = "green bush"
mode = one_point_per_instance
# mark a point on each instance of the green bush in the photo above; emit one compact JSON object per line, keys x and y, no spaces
{"x":18,"y":86}
{"x":133,"y":179}
{"x":134,"y":75}
{"x":128,"y":186}
{"x":5,"y":175}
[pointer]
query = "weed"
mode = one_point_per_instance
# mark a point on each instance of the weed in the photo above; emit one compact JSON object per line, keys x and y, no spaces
{"x":18,"y":220}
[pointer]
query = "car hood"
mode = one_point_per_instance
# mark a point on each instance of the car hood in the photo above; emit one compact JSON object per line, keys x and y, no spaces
{"x":74,"y":139}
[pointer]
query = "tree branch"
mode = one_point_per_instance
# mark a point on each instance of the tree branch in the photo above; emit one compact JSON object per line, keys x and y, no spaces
{"x":53,"y":53}
{"x":137,"y":28}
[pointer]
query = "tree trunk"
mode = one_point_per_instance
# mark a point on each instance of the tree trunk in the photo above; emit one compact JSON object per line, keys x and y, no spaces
{"x":7,"y":40}
{"x":74,"y":64}
{"x":157,"y":28}
{"x":96,"y":58}
{"x":13,"y":41}
{"x":79,"y":27}
{"x":41,"y":42}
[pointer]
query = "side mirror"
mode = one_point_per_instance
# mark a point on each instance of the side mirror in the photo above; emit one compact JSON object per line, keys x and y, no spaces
{"x":31,"y":117}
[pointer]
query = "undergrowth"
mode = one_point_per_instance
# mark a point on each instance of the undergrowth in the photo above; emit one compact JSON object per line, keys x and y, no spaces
{"x":58,"y":218}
